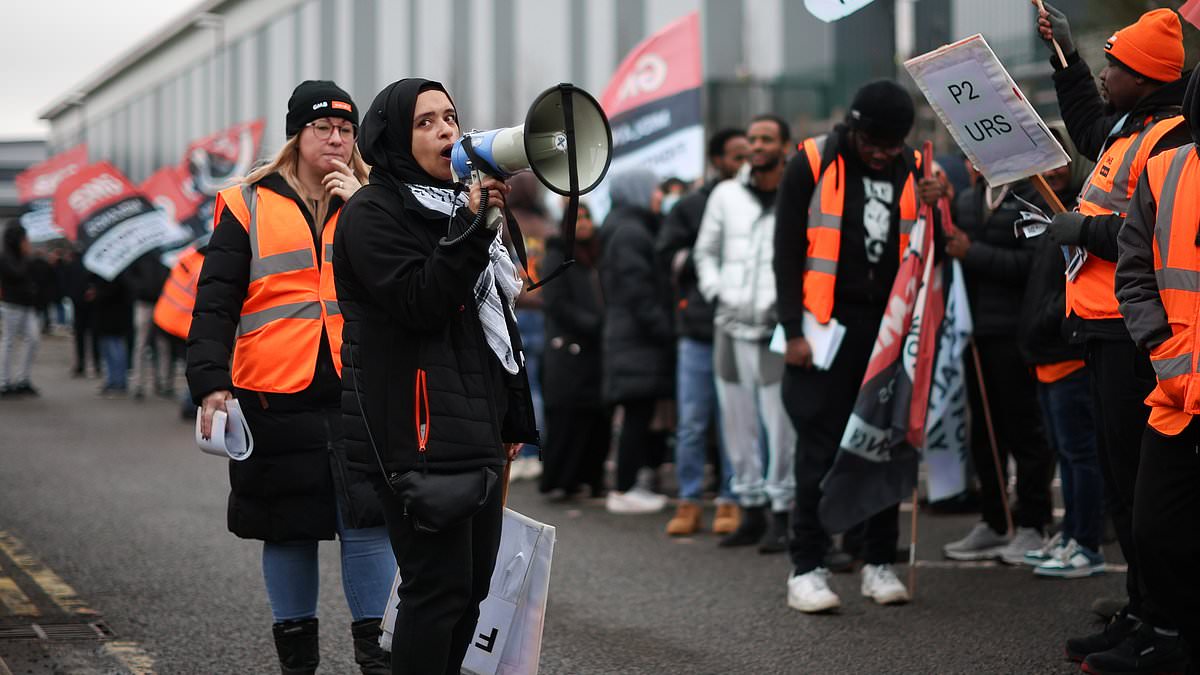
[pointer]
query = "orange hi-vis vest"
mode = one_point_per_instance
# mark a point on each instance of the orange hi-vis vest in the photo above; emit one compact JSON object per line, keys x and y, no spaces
{"x":1174,"y":177}
{"x":825,"y":226}
{"x":1092,"y":294}
{"x":173,"y":311}
{"x":290,"y":298}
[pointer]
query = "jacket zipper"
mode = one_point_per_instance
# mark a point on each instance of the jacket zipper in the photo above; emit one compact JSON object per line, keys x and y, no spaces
{"x":421,"y":406}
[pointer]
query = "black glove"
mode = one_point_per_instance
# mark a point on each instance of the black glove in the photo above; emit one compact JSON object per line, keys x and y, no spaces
{"x":1061,"y":29}
{"x":1069,"y":229}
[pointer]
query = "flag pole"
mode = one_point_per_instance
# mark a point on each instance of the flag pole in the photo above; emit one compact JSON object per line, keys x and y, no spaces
{"x":987,"y":418}
{"x":912,"y":547}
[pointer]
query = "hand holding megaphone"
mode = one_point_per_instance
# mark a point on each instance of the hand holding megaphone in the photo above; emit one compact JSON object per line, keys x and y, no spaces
{"x":497,"y":192}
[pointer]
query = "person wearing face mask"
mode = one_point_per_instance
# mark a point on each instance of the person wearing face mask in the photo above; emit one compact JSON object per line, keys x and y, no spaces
{"x":1134,"y":116}
{"x":577,"y":422}
{"x":733,"y":254}
{"x":265,"y":301}
{"x":434,"y":381}
{"x":847,"y":206}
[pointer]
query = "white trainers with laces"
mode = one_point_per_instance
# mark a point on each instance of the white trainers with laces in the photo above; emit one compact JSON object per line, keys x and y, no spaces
{"x":1026,"y":539}
{"x":1073,"y":562}
{"x":636,"y":500}
{"x":879,"y":583}
{"x":810,"y":592}
{"x":1053,"y":549}
{"x":981,"y":543}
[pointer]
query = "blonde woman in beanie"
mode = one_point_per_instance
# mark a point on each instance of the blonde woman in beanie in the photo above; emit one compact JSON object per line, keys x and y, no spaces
{"x":267,"y":331}
{"x":1134,"y":115}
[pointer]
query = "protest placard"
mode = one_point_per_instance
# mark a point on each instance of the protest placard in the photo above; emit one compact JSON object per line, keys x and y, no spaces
{"x":985,"y":111}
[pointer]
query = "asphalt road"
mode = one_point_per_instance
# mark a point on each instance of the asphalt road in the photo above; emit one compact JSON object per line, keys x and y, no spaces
{"x":112,"y":499}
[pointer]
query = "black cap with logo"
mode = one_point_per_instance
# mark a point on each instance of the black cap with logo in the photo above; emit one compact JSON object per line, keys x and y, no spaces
{"x":315,"y":99}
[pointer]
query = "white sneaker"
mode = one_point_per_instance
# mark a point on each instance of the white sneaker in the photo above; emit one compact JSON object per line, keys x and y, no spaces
{"x":880,"y":584}
{"x":1073,"y":562}
{"x":1052,"y":550}
{"x":981,"y":543}
{"x":636,"y":500}
{"x":1025,"y":540}
{"x":810,"y":592}
{"x":522,"y":468}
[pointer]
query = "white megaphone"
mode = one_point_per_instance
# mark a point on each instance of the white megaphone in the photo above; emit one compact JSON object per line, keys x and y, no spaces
{"x":565,"y":141}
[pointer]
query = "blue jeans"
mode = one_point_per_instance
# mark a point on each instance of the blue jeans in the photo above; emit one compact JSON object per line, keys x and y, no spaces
{"x":697,"y":401}
{"x":531,"y":323}
{"x":114,"y":349}
{"x":1067,"y":408}
{"x":293,"y":581}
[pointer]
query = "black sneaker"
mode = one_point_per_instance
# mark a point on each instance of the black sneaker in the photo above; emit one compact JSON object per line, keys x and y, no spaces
{"x":1119,"y":627}
{"x":1144,"y":651}
{"x":26,"y":389}
{"x":9,"y":391}
{"x":775,"y":540}
{"x":751,"y":529}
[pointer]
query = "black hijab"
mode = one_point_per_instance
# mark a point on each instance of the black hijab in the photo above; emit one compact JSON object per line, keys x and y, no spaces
{"x":385,"y":137}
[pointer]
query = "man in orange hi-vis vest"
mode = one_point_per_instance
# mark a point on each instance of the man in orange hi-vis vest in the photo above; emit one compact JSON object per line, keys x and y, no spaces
{"x":1158,"y":284}
{"x":847,"y":206}
{"x":1137,"y":118}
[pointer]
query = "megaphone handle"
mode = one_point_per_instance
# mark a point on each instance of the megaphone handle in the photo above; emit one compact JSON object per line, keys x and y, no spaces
{"x":495,"y":218}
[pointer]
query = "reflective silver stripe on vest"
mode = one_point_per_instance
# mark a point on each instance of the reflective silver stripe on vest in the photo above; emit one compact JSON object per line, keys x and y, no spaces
{"x":818,"y":219}
{"x":822,"y":265}
{"x":260,"y":267}
{"x":1172,"y":367}
{"x":1170,"y":278}
{"x":331,"y":307}
{"x":1117,"y":199}
{"x":328,"y":253}
{"x":294,"y":310}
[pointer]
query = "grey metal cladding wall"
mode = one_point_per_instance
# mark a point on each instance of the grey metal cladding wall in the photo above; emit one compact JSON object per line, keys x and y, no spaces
{"x":505,"y":47}
{"x":723,"y":43}
{"x":261,"y":66}
{"x":579,"y":42}
{"x":462,"y":60}
{"x":328,"y":14}
{"x":631,"y":25}
{"x":364,"y":48}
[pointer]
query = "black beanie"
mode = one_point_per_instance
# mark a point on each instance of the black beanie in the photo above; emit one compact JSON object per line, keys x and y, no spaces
{"x":314,"y":99}
{"x":882,"y":110}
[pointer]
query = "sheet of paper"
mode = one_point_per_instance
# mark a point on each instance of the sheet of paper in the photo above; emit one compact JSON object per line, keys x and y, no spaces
{"x":230,"y":433}
{"x":823,"y":339}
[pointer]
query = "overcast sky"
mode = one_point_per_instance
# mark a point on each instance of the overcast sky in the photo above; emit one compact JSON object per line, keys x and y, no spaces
{"x":47,"y":47}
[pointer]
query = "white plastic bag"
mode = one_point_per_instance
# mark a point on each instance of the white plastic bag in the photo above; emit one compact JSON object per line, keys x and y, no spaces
{"x":508,"y":637}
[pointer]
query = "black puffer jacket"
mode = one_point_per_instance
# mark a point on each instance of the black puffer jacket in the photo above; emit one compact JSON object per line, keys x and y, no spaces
{"x":639,"y":349}
{"x":287,"y":490}
{"x":413,"y":340}
{"x":693,"y":314}
{"x":574,"y":307}
{"x":996,"y":266}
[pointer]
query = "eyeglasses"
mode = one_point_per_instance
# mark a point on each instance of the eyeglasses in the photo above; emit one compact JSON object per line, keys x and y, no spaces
{"x":323,"y":130}
{"x":872,"y":147}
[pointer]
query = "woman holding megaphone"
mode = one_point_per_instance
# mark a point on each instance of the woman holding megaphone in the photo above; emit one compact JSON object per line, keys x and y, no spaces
{"x":436,"y":398}
{"x":265,"y":300}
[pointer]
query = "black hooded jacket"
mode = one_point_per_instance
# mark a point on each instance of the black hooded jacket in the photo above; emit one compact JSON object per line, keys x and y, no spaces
{"x":1136,"y":282}
{"x":413,"y":345}
{"x":693,"y":314}
{"x":1090,"y":123}
{"x":17,"y":284}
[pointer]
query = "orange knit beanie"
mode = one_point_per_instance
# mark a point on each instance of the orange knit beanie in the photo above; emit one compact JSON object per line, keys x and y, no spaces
{"x":1152,"y":47}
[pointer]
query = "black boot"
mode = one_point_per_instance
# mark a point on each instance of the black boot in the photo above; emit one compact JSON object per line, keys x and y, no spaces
{"x":296,"y":643}
{"x":751,"y":529}
{"x":776,"y":538}
{"x":369,"y":656}
{"x":1118,"y":628}
{"x":1144,"y":651}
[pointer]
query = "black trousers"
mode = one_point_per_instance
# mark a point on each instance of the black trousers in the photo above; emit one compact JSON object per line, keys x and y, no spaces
{"x":819,"y":404}
{"x":639,"y":445}
{"x":576,"y":445}
{"x":444,"y":577}
{"x":83,"y":336}
{"x":1122,"y":378}
{"x":1012,"y":397}
{"x":1166,"y":520}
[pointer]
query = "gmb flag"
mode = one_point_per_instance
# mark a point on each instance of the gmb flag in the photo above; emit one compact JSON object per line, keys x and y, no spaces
{"x":111,"y":221}
{"x":876,"y":462}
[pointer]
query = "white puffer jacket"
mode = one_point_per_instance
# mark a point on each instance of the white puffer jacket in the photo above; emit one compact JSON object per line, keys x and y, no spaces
{"x":733,"y":255}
